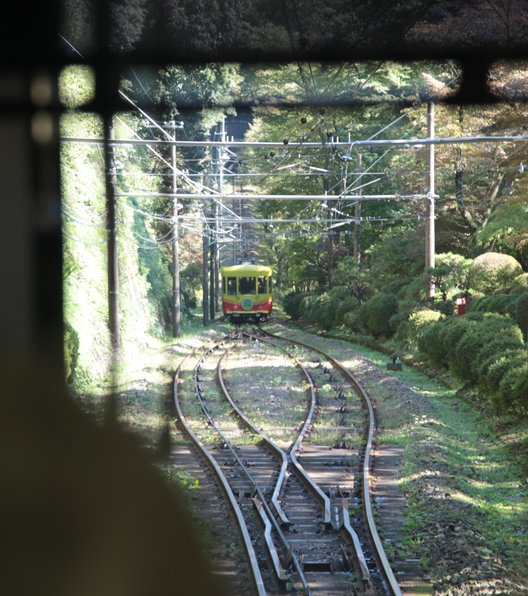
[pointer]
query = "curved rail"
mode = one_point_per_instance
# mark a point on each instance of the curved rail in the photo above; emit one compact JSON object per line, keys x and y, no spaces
{"x":246,"y":538}
{"x":273,"y":446}
{"x":367,"y":504}
{"x":262,"y":506}
{"x":305,"y":477}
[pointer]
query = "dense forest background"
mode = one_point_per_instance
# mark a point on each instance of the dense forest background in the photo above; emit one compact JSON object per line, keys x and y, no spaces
{"x":366,"y":278}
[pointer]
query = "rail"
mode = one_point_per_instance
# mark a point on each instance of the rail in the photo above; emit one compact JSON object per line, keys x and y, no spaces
{"x":367,"y":504}
{"x":246,"y":538}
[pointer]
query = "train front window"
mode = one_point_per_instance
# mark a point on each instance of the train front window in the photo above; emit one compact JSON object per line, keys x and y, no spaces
{"x":231,"y":286}
{"x":247,"y":285}
{"x":262,"y":285}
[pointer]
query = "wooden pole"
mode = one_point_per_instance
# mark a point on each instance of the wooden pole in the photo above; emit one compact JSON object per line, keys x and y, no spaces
{"x":430,"y":231}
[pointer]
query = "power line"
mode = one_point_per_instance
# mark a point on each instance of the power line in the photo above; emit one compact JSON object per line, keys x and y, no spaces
{"x":404,"y":143}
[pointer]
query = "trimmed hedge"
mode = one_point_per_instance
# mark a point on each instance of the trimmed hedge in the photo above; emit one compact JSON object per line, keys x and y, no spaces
{"x":513,"y":388}
{"x":493,"y":271}
{"x":515,"y":305}
{"x":485,"y":350}
{"x":420,"y":320}
{"x":375,"y":314}
{"x":292,"y":304}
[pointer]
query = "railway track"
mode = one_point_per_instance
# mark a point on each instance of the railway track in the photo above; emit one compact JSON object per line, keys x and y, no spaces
{"x":299,"y":490}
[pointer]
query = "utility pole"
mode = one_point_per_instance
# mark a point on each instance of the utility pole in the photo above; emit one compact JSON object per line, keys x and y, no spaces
{"x":222,"y":160}
{"x":112,"y":242}
{"x":205,"y":266}
{"x":357,"y":214}
{"x":214,"y":269}
{"x":430,"y":231}
{"x":176,"y":298}
{"x":205,"y":274}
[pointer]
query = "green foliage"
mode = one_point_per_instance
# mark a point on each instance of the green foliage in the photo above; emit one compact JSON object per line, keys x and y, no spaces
{"x":519,"y":284}
{"x":76,"y":85}
{"x":191,"y":276}
{"x":399,"y":325}
{"x":513,"y":387}
{"x":507,"y":226}
{"x":504,"y":363}
{"x":446,"y":307}
{"x":208,"y":85}
{"x":154,"y":265}
{"x":515,"y":305}
{"x":430,"y":345}
{"x":344,"y":307}
{"x":420,"y":320}
{"x":292,"y":304}
{"x":439,"y":339}
{"x":465,"y":355}
{"x":399,"y":253}
{"x":356,"y":279}
{"x":482,"y":349}
{"x":351,"y":321}
{"x":451,"y":273}
{"x":71,"y":351}
{"x":414,"y":291}
{"x":375,"y":314}
{"x":521,"y":314}
{"x":492,"y":352}
{"x":323,"y":311}
{"x":493,"y":271}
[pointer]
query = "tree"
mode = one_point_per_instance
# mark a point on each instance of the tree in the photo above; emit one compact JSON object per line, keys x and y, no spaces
{"x":451,"y":273}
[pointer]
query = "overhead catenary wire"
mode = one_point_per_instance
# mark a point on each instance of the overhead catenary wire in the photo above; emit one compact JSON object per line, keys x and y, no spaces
{"x":350,"y":144}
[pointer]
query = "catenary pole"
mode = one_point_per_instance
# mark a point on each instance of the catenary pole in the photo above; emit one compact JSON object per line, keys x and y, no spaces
{"x":357,"y":215}
{"x":430,"y":231}
{"x":176,"y":296}
{"x":112,"y":240}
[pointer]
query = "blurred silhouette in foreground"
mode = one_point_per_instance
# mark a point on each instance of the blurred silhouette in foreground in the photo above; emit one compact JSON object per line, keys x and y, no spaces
{"x":82,"y":511}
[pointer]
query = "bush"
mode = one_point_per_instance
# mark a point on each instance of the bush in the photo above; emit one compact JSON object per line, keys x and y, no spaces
{"x":421,"y":319}
{"x":498,"y":370}
{"x":476,"y":339}
{"x":292,"y":304}
{"x":500,"y":303}
{"x":399,"y":325}
{"x":446,"y":307}
{"x":521,"y":314}
{"x":415,"y":290}
{"x":430,"y":345}
{"x":452,"y":334}
{"x":323,"y":311}
{"x":375,"y":314}
{"x":305,"y":305}
{"x":519,"y":284}
{"x":347,"y":305}
{"x":492,"y":352}
{"x":514,"y":305}
{"x":493,"y":271}
{"x":439,"y":339}
{"x":351,"y":320}
{"x":513,"y":388}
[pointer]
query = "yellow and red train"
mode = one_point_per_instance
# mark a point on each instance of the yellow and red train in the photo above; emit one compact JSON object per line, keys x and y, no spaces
{"x":246,"y":293}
